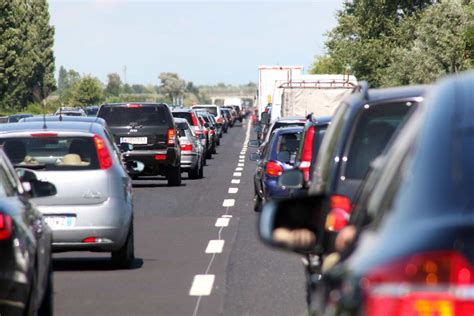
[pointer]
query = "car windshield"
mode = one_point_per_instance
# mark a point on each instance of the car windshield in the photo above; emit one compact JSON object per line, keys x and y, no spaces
{"x":184,"y":115}
{"x":125,"y":116}
{"x":52,"y":153}
{"x":210,"y":109}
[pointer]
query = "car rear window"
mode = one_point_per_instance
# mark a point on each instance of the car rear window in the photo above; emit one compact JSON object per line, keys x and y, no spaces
{"x":212,"y":110}
{"x":142,"y":115}
{"x":52,"y":153}
{"x":371,"y":134}
{"x":184,"y":115}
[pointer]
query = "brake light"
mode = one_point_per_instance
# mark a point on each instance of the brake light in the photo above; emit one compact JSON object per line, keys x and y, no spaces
{"x":212,"y":132}
{"x":431,"y":283}
{"x":160,"y":157}
{"x":171,"y":136}
{"x":187,"y":147}
{"x":194,"y":119}
{"x":6,"y":227}
{"x":134,"y":106}
{"x":273,"y":169}
{"x":90,"y":240}
{"x":220,"y":120}
{"x":307,"y":153}
{"x":198,"y":132}
{"x":42,"y":134}
{"x":339,"y":213}
{"x":105,"y":160}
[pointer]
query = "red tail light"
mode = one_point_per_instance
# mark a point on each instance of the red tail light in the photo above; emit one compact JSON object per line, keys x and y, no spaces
{"x":194,"y":119}
{"x":160,"y":157}
{"x":273,"y":169}
{"x":198,"y":132}
{"x":212,"y":132}
{"x":105,"y":161}
{"x":339,"y":213}
{"x":432,"y":283}
{"x":171,"y":136}
{"x":6,"y":226}
{"x":187,"y":147}
{"x":90,"y":240}
{"x":307,"y":153}
{"x":220,"y":120}
{"x":134,"y":106}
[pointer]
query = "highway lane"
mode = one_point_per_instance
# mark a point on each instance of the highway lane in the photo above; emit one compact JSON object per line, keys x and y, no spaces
{"x":174,"y":228}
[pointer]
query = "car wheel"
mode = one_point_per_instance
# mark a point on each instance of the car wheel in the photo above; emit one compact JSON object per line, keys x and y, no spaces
{"x":214,"y":151}
{"x":124,"y":257}
{"x":257,"y":203}
{"x":201,"y":171}
{"x":194,"y":173}
{"x":218,"y":143}
{"x":46,"y":307}
{"x":174,"y":176}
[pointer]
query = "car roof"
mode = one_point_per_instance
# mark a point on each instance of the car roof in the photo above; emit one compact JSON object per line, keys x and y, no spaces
{"x":65,"y":118}
{"x":320,"y":120}
{"x":180,"y":120}
{"x":72,"y":126}
{"x":290,"y":118}
{"x":383,"y":94}
{"x":127,"y":103}
{"x":288,"y":130}
{"x":183,"y":110}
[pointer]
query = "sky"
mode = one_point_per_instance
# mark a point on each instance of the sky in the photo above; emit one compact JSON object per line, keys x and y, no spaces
{"x":206,"y":42}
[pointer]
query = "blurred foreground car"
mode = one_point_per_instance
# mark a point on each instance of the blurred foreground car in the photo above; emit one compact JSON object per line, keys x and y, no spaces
{"x":192,"y":152}
{"x":195,"y":123}
{"x":26,"y":280}
{"x":279,"y":155}
{"x":84,"y":215}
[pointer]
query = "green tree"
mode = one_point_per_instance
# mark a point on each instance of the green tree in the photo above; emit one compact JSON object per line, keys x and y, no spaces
{"x":440,"y":47}
{"x":88,"y":91}
{"x":327,"y":65}
{"x":114,"y":85}
{"x":127,"y":89}
{"x":172,"y":85}
{"x":138,"y":88}
{"x":62,"y":79}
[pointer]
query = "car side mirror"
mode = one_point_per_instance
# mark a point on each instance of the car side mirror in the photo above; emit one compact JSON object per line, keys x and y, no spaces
{"x":293,"y":224}
{"x":124,"y":147}
{"x":254,"y":143}
{"x":254,"y":156}
{"x":265,"y":119}
{"x":291,"y":179}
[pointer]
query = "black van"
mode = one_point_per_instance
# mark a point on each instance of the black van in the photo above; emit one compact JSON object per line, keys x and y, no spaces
{"x":150,"y":128}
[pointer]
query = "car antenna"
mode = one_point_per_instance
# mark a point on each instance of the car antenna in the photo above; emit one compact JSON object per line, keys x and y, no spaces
{"x":61,"y":113}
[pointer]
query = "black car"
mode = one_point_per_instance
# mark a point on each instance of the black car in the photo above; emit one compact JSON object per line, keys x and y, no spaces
{"x":412,"y":251}
{"x":17,"y":117}
{"x":151,"y":129}
{"x":26,"y":281}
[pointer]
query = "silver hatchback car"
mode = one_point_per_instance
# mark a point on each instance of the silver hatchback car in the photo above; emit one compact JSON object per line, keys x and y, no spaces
{"x":192,"y":150}
{"x":93,"y":209}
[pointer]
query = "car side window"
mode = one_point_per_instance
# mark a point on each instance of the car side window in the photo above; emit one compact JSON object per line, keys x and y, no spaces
{"x":7,"y":187}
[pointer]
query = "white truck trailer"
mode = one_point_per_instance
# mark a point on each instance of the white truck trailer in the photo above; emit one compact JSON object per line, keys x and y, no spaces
{"x":318,"y":94}
{"x":269,"y":80}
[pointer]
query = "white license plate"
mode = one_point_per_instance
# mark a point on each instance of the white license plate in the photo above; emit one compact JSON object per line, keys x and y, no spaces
{"x":134,"y":140}
{"x":60,"y":221}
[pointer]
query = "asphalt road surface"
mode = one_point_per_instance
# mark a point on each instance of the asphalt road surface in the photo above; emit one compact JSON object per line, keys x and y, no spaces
{"x":197,"y":249}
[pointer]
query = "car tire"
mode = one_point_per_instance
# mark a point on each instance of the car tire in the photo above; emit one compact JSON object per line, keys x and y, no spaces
{"x":214,"y":151}
{"x":218,"y":143}
{"x":47,"y":304}
{"x":124,"y":257}
{"x":257,"y":203}
{"x":201,"y":171}
{"x":174,"y":176}
{"x":194,"y":173}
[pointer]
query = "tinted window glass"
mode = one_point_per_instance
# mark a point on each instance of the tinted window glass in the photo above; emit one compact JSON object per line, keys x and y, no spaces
{"x":370,"y":135}
{"x":184,"y":115}
{"x":125,"y":116}
{"x":212,"y":110}
{"x":52,"y":153}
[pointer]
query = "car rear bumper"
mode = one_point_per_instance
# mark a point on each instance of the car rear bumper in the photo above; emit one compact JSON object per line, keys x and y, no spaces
{"x":108,"y":222}
{"x":13,"y":295}
{"x":188,"y":160}
{"x":154,"y":157}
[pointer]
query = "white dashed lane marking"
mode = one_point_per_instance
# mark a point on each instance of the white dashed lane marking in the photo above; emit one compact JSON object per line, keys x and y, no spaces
{"x":233,"y":190}
{"x":239,"y":169}
{"x":215,"y":246}
{"x":240,"y":164}
{"x":202,"y":285}
{"x":228,"y":203}
{"x":237,"y":174}
{"x":222,"y":222}
{"x":235,"y":181}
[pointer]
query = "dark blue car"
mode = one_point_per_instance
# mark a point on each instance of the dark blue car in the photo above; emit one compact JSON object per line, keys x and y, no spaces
{"x":277,"y":156}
